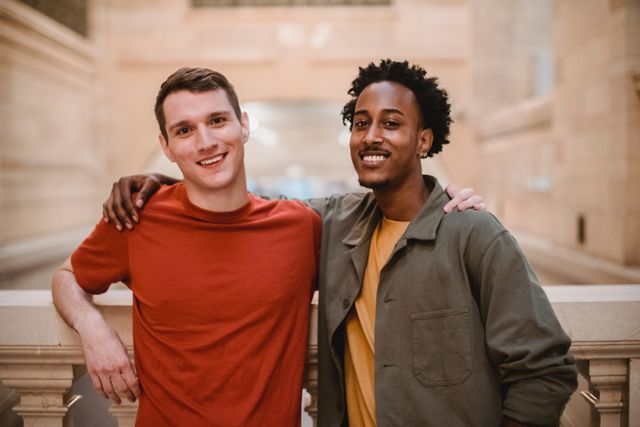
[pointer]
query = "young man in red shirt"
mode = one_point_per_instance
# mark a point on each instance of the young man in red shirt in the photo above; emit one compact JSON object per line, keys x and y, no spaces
{"x":221,"y":279}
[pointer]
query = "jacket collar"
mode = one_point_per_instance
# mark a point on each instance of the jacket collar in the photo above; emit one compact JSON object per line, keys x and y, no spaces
{"x":423,"y":227}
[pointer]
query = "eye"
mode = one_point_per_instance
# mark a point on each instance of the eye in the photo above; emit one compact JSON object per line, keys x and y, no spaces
{"x":391,"y":123}
{"x":218,"y":120}
{"x":182,"y":131}
{"x":360,"y":124}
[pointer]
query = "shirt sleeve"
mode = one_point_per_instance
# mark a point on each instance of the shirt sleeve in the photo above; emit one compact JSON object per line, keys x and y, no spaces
{"x":321,"y":205}
{"x":523,"y":336}
{"x":101,"y":259}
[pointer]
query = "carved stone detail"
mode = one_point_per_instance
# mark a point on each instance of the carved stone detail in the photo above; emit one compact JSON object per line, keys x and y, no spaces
{"x":609,"y":377}
{"x":43,"y":392}
{"x":125,"y":413}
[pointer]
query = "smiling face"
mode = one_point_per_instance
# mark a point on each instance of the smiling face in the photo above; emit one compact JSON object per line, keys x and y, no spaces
{"x":205,"y":138}
{"x":387,"y":137}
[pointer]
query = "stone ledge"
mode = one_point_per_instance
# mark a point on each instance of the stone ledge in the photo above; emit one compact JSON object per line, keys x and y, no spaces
{"x":606,"y":350}
{"x":579,"y":267}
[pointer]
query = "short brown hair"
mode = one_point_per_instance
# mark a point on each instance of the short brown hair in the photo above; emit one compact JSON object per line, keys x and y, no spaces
{"x":193,"y":80}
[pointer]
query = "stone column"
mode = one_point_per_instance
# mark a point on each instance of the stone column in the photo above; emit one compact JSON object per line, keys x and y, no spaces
{"x":610,"y":378}
{"x":43,"y":392}
{"x":125,"y":413}
{"x":634,"y":393}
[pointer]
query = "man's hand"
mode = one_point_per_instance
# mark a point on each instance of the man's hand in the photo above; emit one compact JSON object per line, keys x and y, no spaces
{"x":111,"y":372}
{"x":463,"y":199}
{"x":119,"y":208}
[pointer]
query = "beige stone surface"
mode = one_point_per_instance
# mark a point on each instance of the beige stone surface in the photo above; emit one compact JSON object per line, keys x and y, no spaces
{"x":587,"y":149}
{"x":47,"y":145}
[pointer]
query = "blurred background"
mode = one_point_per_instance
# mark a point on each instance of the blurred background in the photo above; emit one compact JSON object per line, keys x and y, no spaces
{"x":546,"y":100}
{"x":545,"y":94}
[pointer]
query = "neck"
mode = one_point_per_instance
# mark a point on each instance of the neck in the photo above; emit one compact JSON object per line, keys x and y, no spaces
{"x":402,"y":203}
{"x":219,"y":200}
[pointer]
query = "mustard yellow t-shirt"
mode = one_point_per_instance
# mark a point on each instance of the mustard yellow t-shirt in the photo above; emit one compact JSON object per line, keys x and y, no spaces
{"x":359,"y":358}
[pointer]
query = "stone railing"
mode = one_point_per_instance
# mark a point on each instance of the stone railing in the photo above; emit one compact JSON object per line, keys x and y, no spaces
{"x":604,"y":323}
{"x":40,"y":357}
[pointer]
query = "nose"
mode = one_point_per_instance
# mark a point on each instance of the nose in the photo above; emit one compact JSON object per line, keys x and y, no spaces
{"x":205,"y":139}
{"x":373,"y":135}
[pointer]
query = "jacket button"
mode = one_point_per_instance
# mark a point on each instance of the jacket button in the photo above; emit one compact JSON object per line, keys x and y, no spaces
{"x":345,"y":303}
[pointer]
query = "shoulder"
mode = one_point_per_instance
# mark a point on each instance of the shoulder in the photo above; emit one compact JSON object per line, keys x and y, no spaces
{"x":295,"y":209}
{"x":167,"y":194}
{"x":480,"y":227}
{"x":341,"y":205}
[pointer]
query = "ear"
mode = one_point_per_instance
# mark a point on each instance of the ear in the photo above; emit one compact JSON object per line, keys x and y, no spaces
{"x":425,"y":139}
{"x":165,"y":147}
{"x":244,"y":122}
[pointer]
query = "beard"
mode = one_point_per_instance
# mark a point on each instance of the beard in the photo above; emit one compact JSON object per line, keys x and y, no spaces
{"x":373,"y":184}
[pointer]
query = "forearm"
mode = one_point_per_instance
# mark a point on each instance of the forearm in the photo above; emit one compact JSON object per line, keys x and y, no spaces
{"x":105,"y":355}
{"x":72,"y":303}
{"x":164,"y":179}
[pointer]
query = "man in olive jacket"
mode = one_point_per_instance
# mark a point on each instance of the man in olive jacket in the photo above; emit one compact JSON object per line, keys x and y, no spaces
{"x":425,"y":318}
{"x":440,"y":321}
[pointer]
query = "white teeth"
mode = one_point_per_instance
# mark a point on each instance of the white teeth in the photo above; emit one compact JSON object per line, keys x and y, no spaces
{"x":373,"y":158}
{"x":210,"y":161}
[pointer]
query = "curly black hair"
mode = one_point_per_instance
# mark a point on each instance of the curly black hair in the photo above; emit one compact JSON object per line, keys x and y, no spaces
{"x":432,"y":99}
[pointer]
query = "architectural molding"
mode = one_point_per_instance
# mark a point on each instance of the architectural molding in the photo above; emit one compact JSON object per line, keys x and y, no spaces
{"x":596,"y":350}
{"x":534,"y":112}
{"x":575,"y":265}
{"x":32,"y":33}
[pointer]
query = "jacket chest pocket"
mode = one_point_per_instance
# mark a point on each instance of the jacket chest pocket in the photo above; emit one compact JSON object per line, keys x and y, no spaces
{"x":441,"y":346}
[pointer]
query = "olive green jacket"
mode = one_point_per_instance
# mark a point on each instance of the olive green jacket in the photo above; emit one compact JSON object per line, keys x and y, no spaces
{"x":464,"y":332}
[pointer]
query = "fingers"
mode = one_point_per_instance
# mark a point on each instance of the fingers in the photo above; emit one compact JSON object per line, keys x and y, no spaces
{"x":459,"y":197}
{"x":121,"y":388}
{"x":108,"y":211}
{"x":131,"y":380}
{"x":451,"y":204}
{"x":117,"y":385}
{"x":107,"y":388}
{"x":149,"y":187}
{"x":480,"y":206}
{"x":452,"y":190}
{"x":117,"y":206}
{"x":469,"y":203}
{"x":125,"y":191}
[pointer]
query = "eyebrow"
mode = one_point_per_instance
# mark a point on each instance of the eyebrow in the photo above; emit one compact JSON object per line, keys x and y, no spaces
{"x":209,"y":116}
{"x":385,"y":110}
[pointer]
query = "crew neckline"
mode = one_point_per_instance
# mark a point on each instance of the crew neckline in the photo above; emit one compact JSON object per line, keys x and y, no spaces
{"x":227,"y":217}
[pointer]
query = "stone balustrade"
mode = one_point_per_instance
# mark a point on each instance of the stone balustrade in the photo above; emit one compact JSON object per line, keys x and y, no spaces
{"x":40,"y":357}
